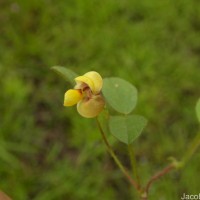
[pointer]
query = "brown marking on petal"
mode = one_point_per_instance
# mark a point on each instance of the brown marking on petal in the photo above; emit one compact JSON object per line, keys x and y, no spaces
{"x":85,"y":88}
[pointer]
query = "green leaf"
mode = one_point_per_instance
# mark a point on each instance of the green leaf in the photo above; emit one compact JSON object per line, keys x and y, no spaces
{"x":120,"y":94}
{"x":198,"y":109}
{"x":127,"y":128}
{"x":67,"y":74}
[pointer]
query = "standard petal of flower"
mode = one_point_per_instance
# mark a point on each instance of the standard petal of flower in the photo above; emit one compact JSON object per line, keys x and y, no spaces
{"x":92,"y":107}
{"x":96,"y":79}
{"x":72,"y":97}
{"x":84,"y":80}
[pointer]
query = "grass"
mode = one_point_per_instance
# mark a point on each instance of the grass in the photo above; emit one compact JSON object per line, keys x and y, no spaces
{"x":48,"y":151}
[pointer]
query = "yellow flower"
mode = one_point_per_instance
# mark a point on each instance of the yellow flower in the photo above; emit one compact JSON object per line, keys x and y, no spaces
{"x":86,"y":94}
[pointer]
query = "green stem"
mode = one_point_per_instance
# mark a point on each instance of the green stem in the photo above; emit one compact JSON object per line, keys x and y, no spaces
{"x":114,"y":156}
{"x":192,"y":149}
{"x":133,"y":163}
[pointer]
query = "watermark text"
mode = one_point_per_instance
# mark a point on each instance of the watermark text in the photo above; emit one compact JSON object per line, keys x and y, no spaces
{"x":190,"y":196}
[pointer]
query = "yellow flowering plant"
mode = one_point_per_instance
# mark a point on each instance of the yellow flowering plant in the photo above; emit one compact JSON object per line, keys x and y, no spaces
{"x":92,"y":94}
{"x":86,"y":94}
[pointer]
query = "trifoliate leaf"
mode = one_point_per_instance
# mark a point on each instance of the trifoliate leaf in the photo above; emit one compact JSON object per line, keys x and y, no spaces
{"x":127,"y":128}
{"x":120,"y":94}
{"x":198,"y":109}
{"x":66,"y":73}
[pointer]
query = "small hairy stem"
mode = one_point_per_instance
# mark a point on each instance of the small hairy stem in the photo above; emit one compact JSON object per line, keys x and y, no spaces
{"x":156,"y":177}
{"x":114,"y":156}
{"x":134,"y":163}
{"x":144,"y":191}
{"x":174,"y":165}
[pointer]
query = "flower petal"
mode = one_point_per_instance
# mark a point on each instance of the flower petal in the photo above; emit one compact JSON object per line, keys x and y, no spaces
{"x":82,"y":80}
{"x":96,"y":79}
{"x":92,"y":79}
{"x":72,"y":97}
{"x":90,"y":108}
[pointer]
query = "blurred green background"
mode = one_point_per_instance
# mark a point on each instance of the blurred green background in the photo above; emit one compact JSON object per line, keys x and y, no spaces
{"x":48,"y":152}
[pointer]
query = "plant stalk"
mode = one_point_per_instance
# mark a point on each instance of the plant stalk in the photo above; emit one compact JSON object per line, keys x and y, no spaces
{"x":192,"y":149}
{"x":134,"y":163}
{"x":114,"y":156}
